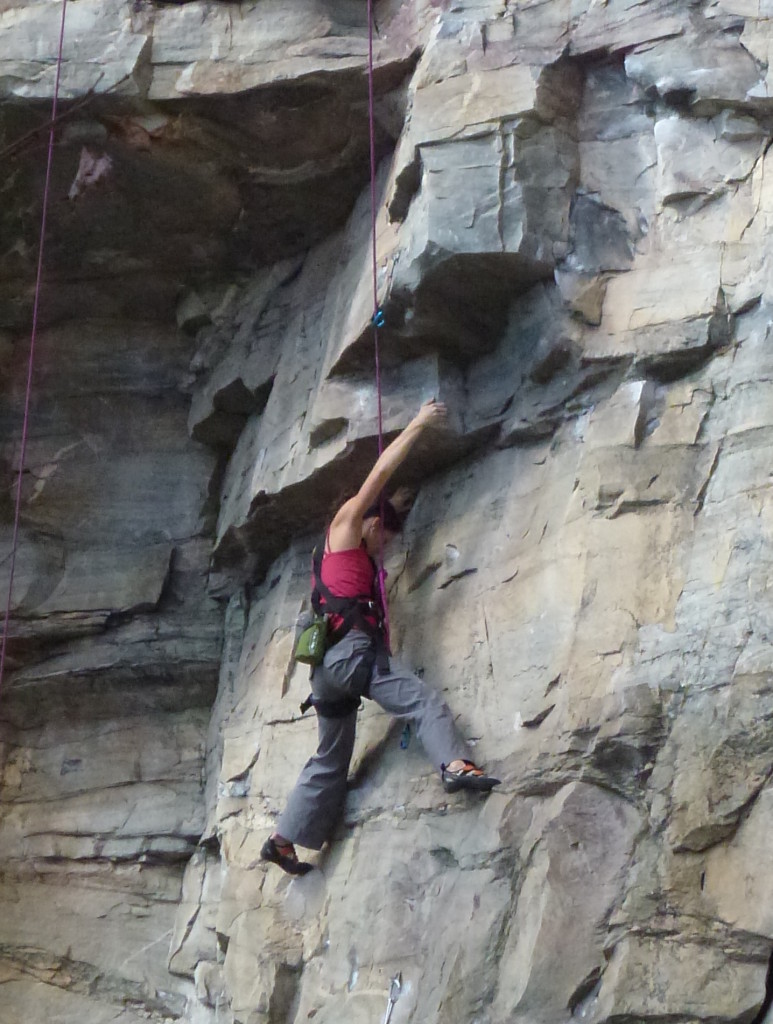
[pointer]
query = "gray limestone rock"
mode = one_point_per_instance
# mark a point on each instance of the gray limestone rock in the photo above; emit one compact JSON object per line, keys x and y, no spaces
{"x":572,"y":247}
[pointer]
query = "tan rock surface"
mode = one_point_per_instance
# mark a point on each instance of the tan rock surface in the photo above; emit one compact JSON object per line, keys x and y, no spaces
{"x":573,"y":242}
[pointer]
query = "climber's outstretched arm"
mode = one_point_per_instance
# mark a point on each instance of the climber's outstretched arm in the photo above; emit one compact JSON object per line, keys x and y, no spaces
{"x":346,"y":528}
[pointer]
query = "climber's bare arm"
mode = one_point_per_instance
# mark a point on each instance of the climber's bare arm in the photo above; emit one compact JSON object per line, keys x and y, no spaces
{"x":346,"y":528}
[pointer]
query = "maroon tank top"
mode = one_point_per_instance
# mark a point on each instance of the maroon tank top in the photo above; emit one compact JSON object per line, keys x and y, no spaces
{"x":349,"y":573}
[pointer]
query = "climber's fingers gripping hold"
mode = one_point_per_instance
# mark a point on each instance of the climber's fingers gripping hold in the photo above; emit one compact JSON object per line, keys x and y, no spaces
{"x":431,"y":414}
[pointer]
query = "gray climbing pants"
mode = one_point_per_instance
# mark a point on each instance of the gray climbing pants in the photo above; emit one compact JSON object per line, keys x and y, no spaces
{"x":349,"y":670}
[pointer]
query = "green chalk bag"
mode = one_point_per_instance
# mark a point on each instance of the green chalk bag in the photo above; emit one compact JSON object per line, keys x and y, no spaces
{"x":312,"y":643}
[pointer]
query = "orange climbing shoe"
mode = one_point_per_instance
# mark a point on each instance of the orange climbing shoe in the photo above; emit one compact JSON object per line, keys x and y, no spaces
{"x":285,"y":856}
{"x":469,"y":776}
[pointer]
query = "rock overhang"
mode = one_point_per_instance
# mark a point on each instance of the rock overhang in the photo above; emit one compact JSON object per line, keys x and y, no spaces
{"x":178,"y":163}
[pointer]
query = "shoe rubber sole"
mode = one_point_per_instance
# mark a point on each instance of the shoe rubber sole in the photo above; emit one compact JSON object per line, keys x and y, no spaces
{"x":270,"y":852}
{"x":476,"y":783}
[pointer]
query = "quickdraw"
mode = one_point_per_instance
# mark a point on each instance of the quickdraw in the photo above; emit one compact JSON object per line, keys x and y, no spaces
{"x":394,"y":994}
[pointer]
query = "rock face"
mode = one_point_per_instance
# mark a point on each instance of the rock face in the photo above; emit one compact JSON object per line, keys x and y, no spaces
{"x":573,"y":235}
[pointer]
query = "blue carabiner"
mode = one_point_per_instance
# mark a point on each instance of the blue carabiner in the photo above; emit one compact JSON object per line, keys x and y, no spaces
{"x":378,"y":318}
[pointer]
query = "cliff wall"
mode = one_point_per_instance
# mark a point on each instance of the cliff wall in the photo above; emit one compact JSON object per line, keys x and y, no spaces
{"x":573,"y":233}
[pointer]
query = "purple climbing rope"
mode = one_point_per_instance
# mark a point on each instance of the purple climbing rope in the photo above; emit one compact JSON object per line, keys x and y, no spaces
{"x":378,"y":318}
{"x":33,"y":336}
{"x":373,"y":205}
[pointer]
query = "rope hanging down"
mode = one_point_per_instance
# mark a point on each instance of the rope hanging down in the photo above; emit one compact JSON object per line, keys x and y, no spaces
{"x":33,"y":336}
{"x":378,"y":316}
{"x":378,"y":320}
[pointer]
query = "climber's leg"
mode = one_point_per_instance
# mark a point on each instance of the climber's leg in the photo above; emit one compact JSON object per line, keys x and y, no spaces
{"x":409,"y":698}
{"x":315,"y":804}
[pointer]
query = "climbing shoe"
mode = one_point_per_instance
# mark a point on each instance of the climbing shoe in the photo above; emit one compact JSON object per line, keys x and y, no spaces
{"x":285,"y":856}
{"x":469,"y":776}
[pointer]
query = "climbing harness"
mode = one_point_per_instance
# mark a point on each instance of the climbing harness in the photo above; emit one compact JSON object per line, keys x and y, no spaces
{"x":331,"y":708}
{"x":394,"y":994}
{"x":33,"y":336}
{"x":362,"y":612}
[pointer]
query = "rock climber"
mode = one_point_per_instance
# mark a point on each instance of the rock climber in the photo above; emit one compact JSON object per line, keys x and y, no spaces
{"x":356,"y":664}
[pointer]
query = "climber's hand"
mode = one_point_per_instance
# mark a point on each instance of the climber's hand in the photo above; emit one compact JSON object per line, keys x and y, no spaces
{"x":431,"y":414}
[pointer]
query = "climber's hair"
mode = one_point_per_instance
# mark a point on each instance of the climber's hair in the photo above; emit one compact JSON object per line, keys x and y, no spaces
{"x":389,"y":516}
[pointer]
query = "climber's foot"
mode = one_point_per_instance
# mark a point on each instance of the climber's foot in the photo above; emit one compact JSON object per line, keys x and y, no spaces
{"x":466,"y":775}
{"x":279,"y":851}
